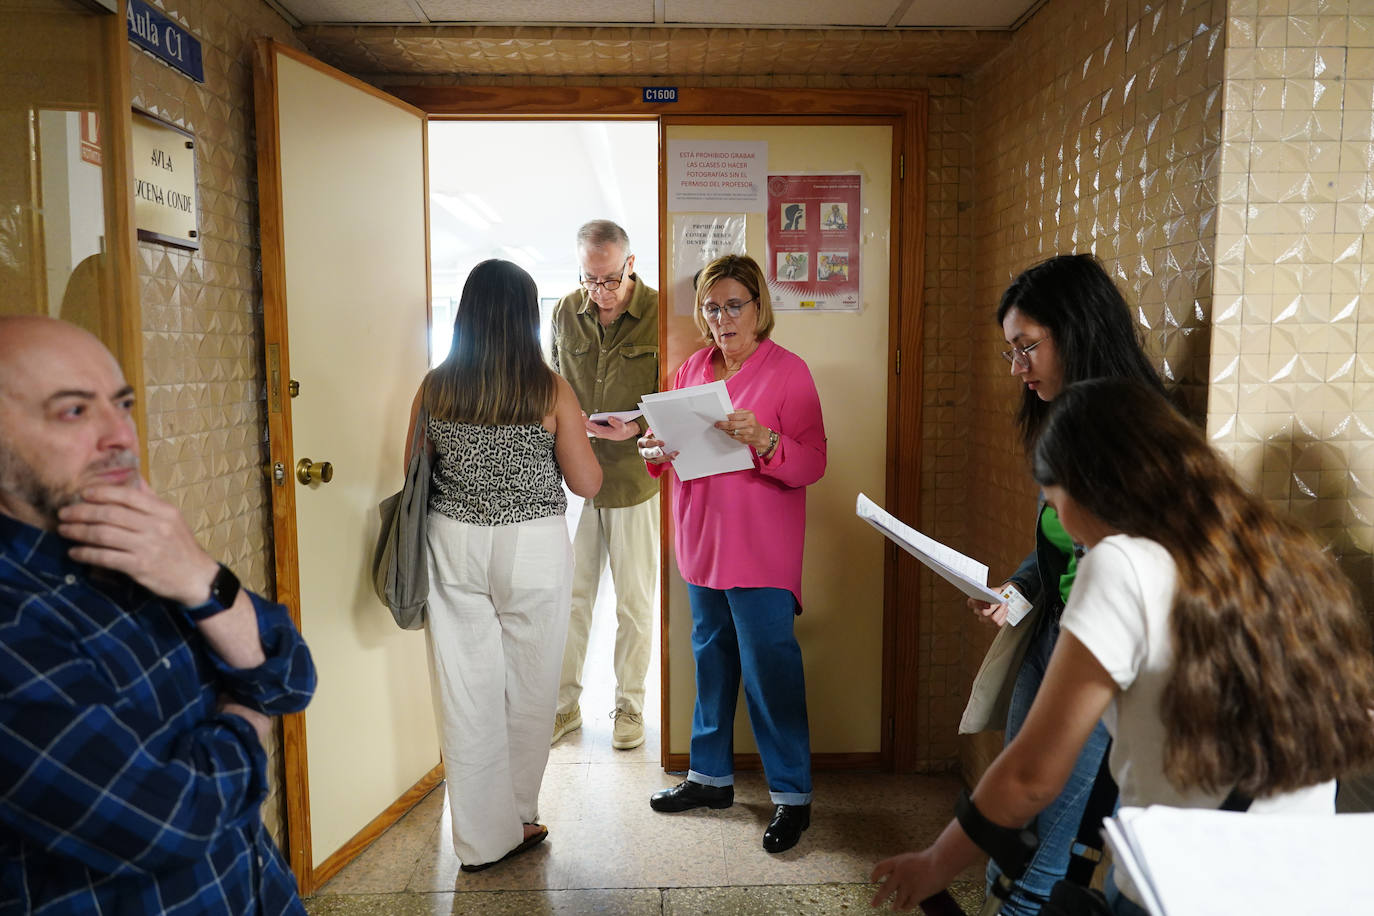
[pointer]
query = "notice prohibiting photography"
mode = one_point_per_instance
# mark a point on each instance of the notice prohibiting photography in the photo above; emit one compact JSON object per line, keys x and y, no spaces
{"x":706,"y":175}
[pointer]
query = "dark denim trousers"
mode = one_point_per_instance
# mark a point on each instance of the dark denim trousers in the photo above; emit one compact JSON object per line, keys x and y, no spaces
{"x":746,"y":634}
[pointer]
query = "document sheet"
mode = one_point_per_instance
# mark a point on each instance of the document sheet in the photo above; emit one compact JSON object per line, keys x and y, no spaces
{"x":1204,"y":862}
{"x":964,"y":573}
{"x":684,"y":420}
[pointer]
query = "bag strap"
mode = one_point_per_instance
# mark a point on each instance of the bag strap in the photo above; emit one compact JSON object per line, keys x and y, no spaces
{"x":1236,"y":800}
{"x":1086,"y":851}
{"x":1087,"y":846}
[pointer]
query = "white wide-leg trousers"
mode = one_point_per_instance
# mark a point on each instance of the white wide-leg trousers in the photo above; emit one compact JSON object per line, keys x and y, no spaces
{"x":497,"y":621}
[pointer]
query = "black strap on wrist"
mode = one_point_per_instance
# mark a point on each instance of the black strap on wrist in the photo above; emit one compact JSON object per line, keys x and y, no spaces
{"x":1010,"y":847}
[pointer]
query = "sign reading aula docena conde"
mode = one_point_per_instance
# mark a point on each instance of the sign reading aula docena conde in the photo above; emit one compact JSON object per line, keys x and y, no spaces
{"x":164,"y":39}
{"x":165,"y":206}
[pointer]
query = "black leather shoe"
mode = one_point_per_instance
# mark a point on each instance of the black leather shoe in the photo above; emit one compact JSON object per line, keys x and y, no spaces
{"x":687,"y":795}
{"x":786,"y":827}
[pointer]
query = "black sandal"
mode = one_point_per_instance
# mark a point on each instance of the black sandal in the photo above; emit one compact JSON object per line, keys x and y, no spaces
{"x":528,"y":843}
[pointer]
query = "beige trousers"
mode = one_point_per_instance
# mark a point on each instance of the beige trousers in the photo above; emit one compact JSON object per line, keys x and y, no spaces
{"x":498,"y":606}
{"x":628,"y":538}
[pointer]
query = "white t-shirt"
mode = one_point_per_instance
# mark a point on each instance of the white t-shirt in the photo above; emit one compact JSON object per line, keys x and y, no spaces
{"x":1119,"y":609}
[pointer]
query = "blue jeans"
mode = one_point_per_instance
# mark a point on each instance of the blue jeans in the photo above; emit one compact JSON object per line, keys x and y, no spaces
{"x":1057,"y":824}
{"x":746,"y":633}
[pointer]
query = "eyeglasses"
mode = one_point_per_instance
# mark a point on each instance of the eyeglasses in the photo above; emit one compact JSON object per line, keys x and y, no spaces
{"x":731,"y":308}
{"x":610,"y":284}
{"x":1020,"y":356}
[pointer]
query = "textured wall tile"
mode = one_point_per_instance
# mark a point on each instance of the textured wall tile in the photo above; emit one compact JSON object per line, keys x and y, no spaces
{"x":202,"y":319}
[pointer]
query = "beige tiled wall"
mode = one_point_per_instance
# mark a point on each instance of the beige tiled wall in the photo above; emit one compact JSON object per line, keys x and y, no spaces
{"x":1292,"y":380}
{"x":1098,"y":130}
{"x":202,"y":310}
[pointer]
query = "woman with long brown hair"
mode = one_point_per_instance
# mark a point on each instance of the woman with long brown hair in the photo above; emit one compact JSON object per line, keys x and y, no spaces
{"x":1225,"y":646}
{"x":505,"y":431}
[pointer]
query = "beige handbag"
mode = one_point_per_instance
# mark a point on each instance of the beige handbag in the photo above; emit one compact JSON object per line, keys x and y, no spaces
{"x":400,"y":574}
{"x":991,"y":692}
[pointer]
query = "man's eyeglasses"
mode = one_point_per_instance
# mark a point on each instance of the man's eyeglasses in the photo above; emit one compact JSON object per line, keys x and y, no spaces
{"x":1020,"y":356}
{"x":610,"y":284}
{"x":731,"y":308}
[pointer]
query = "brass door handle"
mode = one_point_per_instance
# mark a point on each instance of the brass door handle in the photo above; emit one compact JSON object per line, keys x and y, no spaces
{"x":308,"y":471}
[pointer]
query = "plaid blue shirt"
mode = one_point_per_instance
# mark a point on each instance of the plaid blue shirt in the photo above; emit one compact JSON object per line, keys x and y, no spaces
{"x":122,"y":789}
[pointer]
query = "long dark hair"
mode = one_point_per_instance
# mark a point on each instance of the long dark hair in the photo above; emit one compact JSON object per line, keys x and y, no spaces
{"x":1273,"y":680}
{"x":494,"y":373}
{"x":1089,"y":322}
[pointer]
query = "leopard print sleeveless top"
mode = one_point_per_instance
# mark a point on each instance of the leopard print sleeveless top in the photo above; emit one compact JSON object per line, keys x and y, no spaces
{"x":494,"y":475}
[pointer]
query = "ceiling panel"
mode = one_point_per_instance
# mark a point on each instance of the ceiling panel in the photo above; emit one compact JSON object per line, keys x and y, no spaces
{"x":308,"y":11}
{"x":872,"y":13}
{"x":548,"y":11}
{"x":781,"y":14}
{"x":969,"y":14}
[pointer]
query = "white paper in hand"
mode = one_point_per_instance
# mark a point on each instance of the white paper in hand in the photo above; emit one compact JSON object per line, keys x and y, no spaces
{"x":684,"y":420}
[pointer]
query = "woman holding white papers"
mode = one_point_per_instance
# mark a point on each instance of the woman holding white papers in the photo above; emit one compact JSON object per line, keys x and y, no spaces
{"x":738,"y":538}
{"x":1225,"y":648}
{"x":1065,"y":321}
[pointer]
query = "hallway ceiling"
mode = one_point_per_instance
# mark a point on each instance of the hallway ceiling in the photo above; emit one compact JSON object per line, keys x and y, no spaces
{"x":607,"y":38}
{"x":868,"y":14}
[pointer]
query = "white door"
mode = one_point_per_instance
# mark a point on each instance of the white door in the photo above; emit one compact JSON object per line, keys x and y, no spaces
{"x":346,"y":313}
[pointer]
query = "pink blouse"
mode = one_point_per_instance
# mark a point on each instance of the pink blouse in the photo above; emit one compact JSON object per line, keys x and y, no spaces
{"x":746,"y":529}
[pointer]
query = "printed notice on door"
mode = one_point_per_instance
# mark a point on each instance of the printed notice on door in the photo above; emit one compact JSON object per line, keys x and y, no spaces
{"x":706,"y":175}
{"x":814,"y":223}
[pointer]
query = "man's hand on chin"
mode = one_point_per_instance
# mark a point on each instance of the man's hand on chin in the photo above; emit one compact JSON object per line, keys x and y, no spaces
{"x":132,"y":530}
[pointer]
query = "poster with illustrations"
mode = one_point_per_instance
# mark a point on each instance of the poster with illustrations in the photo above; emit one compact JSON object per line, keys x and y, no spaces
{"x":813,"y":241}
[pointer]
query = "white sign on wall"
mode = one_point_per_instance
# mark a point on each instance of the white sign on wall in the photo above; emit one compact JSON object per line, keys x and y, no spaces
{"x":709,"y":175}
{"x":165,"y":203}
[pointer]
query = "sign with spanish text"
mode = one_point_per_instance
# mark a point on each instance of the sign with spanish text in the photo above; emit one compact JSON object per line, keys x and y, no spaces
{"x":164,"y":39}
{"x":165,"y":205}
{"x":711,"y":175}
{"x":814,"y":224}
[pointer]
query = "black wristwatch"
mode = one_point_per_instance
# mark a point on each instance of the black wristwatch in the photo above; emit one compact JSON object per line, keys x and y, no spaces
{"x":224,"y":591}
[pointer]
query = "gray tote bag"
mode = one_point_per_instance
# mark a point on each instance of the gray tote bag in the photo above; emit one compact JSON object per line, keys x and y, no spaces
{"x":399,"y":572}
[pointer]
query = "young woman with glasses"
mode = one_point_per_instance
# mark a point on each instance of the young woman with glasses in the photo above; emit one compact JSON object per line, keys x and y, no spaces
{"x":738,"y":539}
{"x":1230,"y":649}
{"x":1066,"y":321}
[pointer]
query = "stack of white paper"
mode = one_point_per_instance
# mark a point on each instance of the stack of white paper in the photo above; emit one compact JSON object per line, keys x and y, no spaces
{"x":1203,"y":862}
{"x":684,"y":420}
{"x":964,"y":573}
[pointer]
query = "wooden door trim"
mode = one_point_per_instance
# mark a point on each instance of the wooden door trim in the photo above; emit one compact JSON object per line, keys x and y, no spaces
{"x":902,"y":714}
{"x":296,"y":782}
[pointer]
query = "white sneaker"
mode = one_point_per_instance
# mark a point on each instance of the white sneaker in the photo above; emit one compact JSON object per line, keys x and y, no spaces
{"x":629,"y":730}
{"x":565,"y":723}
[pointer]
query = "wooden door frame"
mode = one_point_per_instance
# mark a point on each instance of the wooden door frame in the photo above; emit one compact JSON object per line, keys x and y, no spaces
{"x":902,"y":714}
{"x":296,"y":785}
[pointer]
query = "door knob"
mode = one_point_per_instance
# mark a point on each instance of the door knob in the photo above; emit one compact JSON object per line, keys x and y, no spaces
{"x":308,"y":471}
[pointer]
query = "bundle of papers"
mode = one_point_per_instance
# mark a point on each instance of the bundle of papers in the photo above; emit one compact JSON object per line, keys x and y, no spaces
{"x":684,"y":420}
{"x":1204,"y":862}
{"x":964,"y":573}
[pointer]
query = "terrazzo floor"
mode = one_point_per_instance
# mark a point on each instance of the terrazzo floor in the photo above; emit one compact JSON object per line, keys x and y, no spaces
{"x":609,"y":853}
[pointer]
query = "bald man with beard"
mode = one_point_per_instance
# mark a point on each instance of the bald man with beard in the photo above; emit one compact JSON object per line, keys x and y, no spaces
{"x":137,"y":679}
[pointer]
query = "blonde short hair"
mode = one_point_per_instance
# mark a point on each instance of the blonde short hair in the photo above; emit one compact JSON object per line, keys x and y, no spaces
{"x":744,"y":270}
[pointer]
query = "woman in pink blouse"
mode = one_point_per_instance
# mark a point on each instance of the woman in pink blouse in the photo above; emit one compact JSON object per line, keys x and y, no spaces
{"x":739,"y":541}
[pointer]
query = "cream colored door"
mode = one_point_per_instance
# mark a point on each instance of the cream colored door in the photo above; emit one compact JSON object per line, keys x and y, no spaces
{"x":841,"y":629}
{"x":342,"y":177}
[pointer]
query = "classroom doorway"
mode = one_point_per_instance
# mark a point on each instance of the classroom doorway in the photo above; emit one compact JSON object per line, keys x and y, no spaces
{"x":519,"y":190}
